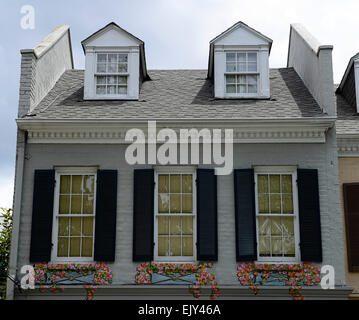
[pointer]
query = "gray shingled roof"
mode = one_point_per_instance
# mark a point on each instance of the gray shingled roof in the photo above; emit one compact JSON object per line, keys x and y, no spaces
{"x":348,"y":118}
{"x":173,"y":94}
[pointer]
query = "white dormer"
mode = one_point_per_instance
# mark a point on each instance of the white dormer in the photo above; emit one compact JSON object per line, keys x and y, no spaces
{"x":115,"y":64}
{"x":239,"y":63}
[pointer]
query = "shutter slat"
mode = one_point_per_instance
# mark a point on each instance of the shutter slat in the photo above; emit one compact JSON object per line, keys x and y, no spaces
{"x":351,"y":210}
{"x":207,"y":239}
{"x":143,"y":215}
{"x":106,"y":213}
{"x":42,"y":216}
{"x":309,"y":215}
{"x":245,"y":215}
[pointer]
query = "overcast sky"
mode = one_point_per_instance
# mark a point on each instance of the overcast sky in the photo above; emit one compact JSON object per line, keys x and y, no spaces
{"x":176,"y":35}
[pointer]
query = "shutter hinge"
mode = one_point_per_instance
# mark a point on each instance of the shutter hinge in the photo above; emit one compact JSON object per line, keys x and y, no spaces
{"x":154,"y":244}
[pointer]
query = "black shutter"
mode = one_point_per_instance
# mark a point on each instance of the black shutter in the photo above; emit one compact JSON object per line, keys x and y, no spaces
{"x":245,"y":215}
{"x":207,"y":247}
{"x":42,"y":215}
{"x":351,"y":209}
{"x":106,"y":212}
{"x":143,"y":215}
{"x":309,"y":215}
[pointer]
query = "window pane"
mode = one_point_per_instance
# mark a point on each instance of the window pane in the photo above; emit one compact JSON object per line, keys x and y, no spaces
{"x":100,"y":89}
{"x":76,"y":204}
{"x":87,"y":226}
{"x":163,"y":183}
{"x":112,"y":58}
{"x":89,"y":184}
{"x":275,"y":203}
{"x":241,"y":57}
{"x":252,"y":89}
{"x":231,"y":67}
{"x":112,"y":80}
{"x":286,"y":183}
{"x":64,"y":205}
{"x":230,"y":56}
{"x":64,"y":226}
{"x":122,"y":58}
{"x":163,"y":203}
{"x":163,"y":246}
{"x":175,"y":203}
{"x":65,"y":184}
{"x":252,"y":66}
{"x":288,"y":226}
{"x":175,"y":223}
{"x":187,"y":183}
{"x":75,"y":247}
{"x":264,"y":246}
{"x":287,"y":200}
{"x":241,"y":88}
{"x":252,"y":56}
{"x":264,"y":226}
{"x":122,"y":90}
{"x":187,"y":203}
{"x":276,"y":228}
{"x":122,"y":80}
{"x":276,"y":246}
{"x":175,"y":246}
{"x":163,"y":225}
{"x":231,"y":88}
{"x":88,"y":201}
{"x":62,"y":247}
{"x":289,"y":247}
{"x":274,"y":183}
{"x":242,"y":79}
{"x":101,"y":68}
{"x":187,"y":246}
{"x":76,"y":184}
{"x":102,"y":57}
{"x":252,"y":79}
{"x":263,"y":183}
{"x":241,"y":67}
{"x":75,"y":227}
{"x":187,"y":225}
{"x":111,"y":89}
{"x":122,"y":67}
{"x":175,"y":183}
{"x":263,"y":203}
{"x":101,"y":79}
{"x":230,"y":79}
{"x":86,"y":250}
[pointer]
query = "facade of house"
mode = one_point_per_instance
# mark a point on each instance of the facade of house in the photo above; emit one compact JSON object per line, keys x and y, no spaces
{"x":80,"y":197}
{"x":347,"y":134}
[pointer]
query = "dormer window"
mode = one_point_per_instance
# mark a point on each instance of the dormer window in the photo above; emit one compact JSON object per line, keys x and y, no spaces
{"x":239,"y":63}
{"x":241,"y":73}
{"x":111,"y":74}
{"x":115,"y":64}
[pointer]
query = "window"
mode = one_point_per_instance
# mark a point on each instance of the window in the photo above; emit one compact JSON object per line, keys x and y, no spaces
{"x":111,"y":74}
{"x":74,"y":219}
{"x":175,"y":217}
{"x":277,"y":217}
{"x":241,"y":73}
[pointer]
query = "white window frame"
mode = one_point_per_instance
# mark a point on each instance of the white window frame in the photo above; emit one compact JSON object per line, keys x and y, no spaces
{"x":292,"y":170}
{"x":235,"y":73}
{"x":124,"y":74}
{"x":172,"y":171}
{"x":70,"y":171}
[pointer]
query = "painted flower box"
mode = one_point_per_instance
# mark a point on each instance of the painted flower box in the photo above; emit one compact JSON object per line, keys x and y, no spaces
{"x":67,"y":278}
{"x":173,"y":279}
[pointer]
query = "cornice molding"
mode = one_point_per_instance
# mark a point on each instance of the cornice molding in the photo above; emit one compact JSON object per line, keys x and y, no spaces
{"x":248,"y":131}
{"x":348,"y":145}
